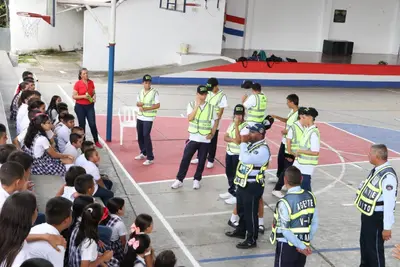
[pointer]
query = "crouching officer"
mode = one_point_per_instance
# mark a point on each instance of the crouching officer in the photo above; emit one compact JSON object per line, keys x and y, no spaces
{"x":253,"y":161}
{"x":295,"y":222}
{"x":376,"y":200}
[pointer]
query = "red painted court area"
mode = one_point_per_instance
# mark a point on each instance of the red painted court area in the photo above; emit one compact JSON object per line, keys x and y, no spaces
{"x":169,"y":136}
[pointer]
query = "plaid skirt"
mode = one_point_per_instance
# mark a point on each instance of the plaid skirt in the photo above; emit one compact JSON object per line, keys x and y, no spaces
{"x":116,"y":247}
{"x":114,"y":262}
{"x":46,"y":165}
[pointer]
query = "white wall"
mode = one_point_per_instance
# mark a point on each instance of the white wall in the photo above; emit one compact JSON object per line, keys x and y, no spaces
{"x":66,"y":34}
{"x":149,"y":36}
{"x":291,"y":25}
{"x":235,"y":8}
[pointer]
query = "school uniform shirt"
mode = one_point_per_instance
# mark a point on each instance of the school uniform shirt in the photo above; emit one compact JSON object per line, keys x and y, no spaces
{"x":222,"y":104}
{"x":40,"y":146}
{"x":71,"y":150}
{"x":141,"y":263}
{"x":315,"y":147}
{"x":80,"y":160}
{"x":250,"y":102}
{"x":3,"y":196}
{"x":21,"y":256}
{"x":22,"y":111}
{"x":93,"y":170}
{"x":88,"y":250}
{"x":118,"y":230}
{"x":25,"y":122}
{"x":156,"y":101}
{"x":63,"y":133}
{"x":244,"y":131}
{"x":287,"y":127}
{"x":290,"y":133}
{"x":69,"y":192}
{"x":42,"y":249}
{"x":21,"y":136}
{"x":198,"y":137}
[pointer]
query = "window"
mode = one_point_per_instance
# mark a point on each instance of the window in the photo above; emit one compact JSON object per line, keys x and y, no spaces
{"x":339,"y":16}
{"x":173,"y":5}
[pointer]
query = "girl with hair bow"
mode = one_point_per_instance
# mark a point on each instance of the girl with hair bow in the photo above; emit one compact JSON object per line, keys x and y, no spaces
{"x":144,"y":225}
{"x":137,"y":247}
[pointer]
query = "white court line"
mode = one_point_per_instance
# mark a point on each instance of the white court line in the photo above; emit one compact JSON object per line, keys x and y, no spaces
{"x":145,"y":197}
{"x":208,"y":213}
{"x":369,"y":141}
{"x":393,"y":91}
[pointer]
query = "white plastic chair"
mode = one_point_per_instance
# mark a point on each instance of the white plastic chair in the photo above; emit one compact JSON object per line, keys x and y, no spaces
{"x":127,"y":119}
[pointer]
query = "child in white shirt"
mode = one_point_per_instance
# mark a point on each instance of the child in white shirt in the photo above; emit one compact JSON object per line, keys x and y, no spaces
{"x":63,"y":131}
{"x":68,"y":190}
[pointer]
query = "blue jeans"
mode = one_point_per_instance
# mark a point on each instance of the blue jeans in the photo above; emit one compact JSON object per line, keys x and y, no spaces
{"x":104,"y":234}
{"x":41,"y":218}
{"x":306,"y":182}
{"x":144,"y":139}
{"x":105,"y":193}
{"x":84,"y":112}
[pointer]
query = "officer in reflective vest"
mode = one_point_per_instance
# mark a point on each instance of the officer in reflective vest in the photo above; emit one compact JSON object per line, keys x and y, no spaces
{"x":148,"y":104}
{"x":376,"y":200}
{"x":256,"y":105}
{"x":233,"y":137}
{"x":203,"y":122}
{"x":292,"y":102}
{"x":292,"y":144}
{"x":253,"y":161}
{"x":218,"y":99}
{"x":308,"y":153}
{"x":295,"y":222}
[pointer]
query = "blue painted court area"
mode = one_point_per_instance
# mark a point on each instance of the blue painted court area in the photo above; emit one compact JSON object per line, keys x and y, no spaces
{"x":271,"y":255}
{"x":390,"y":138}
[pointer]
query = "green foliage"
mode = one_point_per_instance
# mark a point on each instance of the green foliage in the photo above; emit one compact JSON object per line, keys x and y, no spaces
{"x":3,"y":14}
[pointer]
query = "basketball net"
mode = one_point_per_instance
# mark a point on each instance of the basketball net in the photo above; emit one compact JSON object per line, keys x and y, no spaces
{"x":30,"y":26}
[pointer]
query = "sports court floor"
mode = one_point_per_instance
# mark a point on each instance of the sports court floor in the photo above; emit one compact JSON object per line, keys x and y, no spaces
{"x":194,"y":222}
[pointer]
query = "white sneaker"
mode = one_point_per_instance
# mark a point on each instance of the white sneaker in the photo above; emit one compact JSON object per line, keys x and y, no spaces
{"x":194,"y":161}
{"x":210,"y":165}
{"x":176,"y":184}
{"x":141,"y":156}
{"x":272,"y":180}
{"x":196,"y":184}
{"x":148,"y":162}
{"x":284,"y":188}
{"x":278,"y":194}
{"x":225,"y":195}
{"x":231,"y":201}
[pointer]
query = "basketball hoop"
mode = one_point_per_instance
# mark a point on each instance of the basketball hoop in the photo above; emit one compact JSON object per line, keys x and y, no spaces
{"x":30,"y":22}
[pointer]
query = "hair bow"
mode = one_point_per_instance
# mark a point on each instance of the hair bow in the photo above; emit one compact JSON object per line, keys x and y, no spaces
{"x":90,"y":210}
{"x":133,"y":243}
{"x":135,"y":229}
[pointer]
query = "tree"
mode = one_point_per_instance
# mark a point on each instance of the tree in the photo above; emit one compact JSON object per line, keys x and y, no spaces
{"x":4,"y":14}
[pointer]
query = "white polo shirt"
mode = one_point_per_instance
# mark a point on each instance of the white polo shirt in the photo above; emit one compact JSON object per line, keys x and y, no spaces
{"x":63,"y":133}
{"x":22,"y":111}
{"x":40,"y":145}
{"x":315,"y":147}
{"x":118,"y":230}
{"x":22,"y":256}
{"x":88,"y":250}
{"x":198,"y":137}
{"x":3,"y":196}
{"x":71,"y":150}
{"x":42,"y":249}
{"x":80,"y":160}
{"x":156,"y":101}
{"x":93,"y":170}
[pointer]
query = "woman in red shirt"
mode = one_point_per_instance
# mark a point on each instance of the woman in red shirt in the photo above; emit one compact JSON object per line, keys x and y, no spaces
{"x":85,"y":97}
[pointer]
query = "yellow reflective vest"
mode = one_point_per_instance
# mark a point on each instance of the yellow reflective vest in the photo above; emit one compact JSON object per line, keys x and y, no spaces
{"x":232,"y":147}
{"x":215,"y":99}
{"x":202,"y":122}
{"x":305,"y":144}
{"x":297,"y":136}
{"x":148,"y":100}
{"x":257,"y":113}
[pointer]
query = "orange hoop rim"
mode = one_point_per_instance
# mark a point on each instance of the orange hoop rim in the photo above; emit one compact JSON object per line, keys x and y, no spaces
{"x":34,"y":15}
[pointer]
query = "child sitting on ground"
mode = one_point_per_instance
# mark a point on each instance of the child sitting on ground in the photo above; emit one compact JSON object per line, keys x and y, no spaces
{"x":166,"y":258}
{"x":138,"y":246}
{"x":144,"y":225}
{"x":68,"y":190}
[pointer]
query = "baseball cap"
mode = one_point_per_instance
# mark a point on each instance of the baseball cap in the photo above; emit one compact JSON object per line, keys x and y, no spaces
{"x":311,"y":112}
{"x":258,"y":127}
{"x":211,"y":83}
{"x":246,"y":84}
{"x":147,"y":78}
{"x":201,"y":89}
{"x":256,"y":86}
{"x":238,"y":110}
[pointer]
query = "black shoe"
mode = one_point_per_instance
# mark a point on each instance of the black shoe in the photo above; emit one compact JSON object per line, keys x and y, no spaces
{"x":261,"y":229}
{"x":246,"y":245}
{"x":231,"y":224}
{"x":236,"y":234}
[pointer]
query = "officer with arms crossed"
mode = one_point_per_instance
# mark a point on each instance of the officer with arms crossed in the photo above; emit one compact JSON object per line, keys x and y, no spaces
{"x":203,"y":122}
{"x":148,"y":104}
{"x":218,"y":99}
{"x":254,"y":158}
{"x":376,"y":200}
{"x":295,"y":222}
{"x":308,"y":153}
{"x":256,"y":105}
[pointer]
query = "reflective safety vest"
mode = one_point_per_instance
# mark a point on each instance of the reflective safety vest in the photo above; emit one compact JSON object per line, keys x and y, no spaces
{"x":257,"y":113}
{"x":301,"y":207}
{"x":305,"y":144}
{"x":232,"y":146}
{"x":215,"y":99}
{"x":148,"y":100}
{"x":202,"y":121}
{"x":297,"y":136}
{"x":370,"y":190}
{"x":243,"y":170}
{"x":292,"y":118}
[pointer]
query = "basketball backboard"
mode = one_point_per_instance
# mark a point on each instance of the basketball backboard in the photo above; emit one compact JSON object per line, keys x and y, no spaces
{"x":51,"y":9}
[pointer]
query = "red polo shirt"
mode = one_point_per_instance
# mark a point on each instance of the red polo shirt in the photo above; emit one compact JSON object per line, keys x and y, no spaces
{"x":82,"y":88}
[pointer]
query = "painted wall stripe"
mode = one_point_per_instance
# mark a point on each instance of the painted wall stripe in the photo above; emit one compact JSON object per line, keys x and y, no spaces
{"x":234,"y":32}
{"x":235,"y":19}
